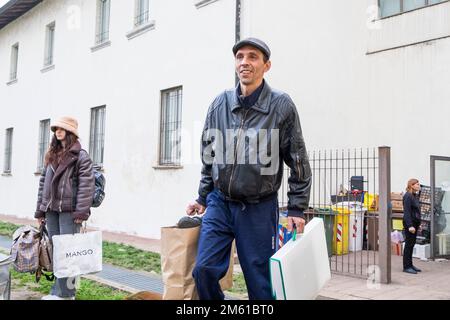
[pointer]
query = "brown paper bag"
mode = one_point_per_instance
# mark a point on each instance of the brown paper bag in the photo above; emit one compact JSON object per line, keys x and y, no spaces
{"x":178,"y":254}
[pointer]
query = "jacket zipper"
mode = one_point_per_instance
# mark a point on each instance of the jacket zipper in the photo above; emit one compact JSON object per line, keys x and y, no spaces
{"x":51,"y":193}
{"x":235,"y":151}
{"x":62,"y":191}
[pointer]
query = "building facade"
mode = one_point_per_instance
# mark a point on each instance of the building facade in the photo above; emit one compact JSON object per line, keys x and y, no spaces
{"x":140,"y":75}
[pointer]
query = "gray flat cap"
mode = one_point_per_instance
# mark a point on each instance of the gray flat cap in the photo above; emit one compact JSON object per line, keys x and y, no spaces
{"x":254,"y":42}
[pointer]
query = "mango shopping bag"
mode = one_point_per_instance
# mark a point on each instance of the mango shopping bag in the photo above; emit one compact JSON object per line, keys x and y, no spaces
{"x":77,"y":254}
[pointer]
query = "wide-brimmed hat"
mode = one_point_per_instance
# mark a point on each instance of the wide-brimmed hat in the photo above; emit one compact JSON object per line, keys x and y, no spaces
{"x":66,"y":123}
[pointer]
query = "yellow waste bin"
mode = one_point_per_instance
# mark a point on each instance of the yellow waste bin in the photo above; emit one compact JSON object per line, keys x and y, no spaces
{"x":340,"y":229}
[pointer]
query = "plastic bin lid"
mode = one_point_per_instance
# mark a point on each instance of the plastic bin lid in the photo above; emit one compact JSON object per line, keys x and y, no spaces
{"x":352,"y":205}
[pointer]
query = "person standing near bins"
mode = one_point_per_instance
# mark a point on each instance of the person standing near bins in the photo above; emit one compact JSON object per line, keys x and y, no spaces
{"x":411,"y":223}
{"x":59,"y":206}
{"x":240,"y":196}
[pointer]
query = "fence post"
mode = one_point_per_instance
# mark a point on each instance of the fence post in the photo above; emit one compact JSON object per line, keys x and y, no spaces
{"x":385,"y":212}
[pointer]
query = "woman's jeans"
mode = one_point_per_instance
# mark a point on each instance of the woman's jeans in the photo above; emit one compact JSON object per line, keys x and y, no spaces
{"x":62,"y":223}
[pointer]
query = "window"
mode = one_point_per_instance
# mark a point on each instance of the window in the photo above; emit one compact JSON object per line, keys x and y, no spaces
{"x":49,"y":44}
{"x":8,"y":151}
{"x":14,"y":60}
{"x":170,"y":127}
{"x":97,"y":138}
{"x":392,"y":7}
{"x":44,"y":140}
{"x":141,"y":16}
{"x":103,"y":11}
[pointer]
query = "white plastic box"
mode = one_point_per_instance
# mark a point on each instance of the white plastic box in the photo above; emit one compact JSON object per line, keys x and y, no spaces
{"x":421,"y":251}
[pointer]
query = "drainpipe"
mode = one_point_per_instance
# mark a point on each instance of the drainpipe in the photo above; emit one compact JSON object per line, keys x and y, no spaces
{"x":237,"y":30}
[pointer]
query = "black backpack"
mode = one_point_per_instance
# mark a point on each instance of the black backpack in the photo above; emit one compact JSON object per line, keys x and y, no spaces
{"x":99,"y":191}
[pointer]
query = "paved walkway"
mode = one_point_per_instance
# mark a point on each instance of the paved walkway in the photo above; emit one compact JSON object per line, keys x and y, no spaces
{"x":432,"y":283}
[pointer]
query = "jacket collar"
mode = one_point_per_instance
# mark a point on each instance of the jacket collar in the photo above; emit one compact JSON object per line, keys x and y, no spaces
{"x":70,"y":157}
{"x":263,"y":103}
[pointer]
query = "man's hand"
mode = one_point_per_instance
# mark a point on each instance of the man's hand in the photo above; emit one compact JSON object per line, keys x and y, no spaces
{"x":40,"y":220}
{"x":299,"y":223}
{"x":412,"y":230}
{"x":194,"y":208}
{"x":78,"y":221}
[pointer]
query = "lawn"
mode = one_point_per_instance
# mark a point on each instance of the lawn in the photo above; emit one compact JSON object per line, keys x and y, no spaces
{"x":87,"y":290}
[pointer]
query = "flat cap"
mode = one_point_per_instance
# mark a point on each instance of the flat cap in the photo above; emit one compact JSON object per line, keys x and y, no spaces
{"x":254,"y":42}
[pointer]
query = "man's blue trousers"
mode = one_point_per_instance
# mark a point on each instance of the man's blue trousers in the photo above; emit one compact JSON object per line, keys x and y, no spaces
{"x":254,"y":226}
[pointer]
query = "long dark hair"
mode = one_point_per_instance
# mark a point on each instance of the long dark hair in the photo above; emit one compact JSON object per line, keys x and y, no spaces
{"x":56,"y":152}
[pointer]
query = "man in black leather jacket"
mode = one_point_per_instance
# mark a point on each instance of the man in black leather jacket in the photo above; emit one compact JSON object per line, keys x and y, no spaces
{"x":249,"y":132}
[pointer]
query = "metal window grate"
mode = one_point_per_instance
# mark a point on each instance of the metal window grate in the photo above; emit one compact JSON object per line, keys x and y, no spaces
{"x":170,"y":128}
{"x":141,"y":19}
{"x":44,"y":140}
{"x":103,"y":16}
{"x":14,"y":61}
{"x":97,"y":137}
{"x":142,"y":12}
{"x":8,"y":150}
{"x":393,"y":7}
{"x":49,"y":44}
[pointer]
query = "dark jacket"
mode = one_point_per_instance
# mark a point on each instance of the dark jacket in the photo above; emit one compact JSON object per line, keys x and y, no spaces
{"x":244,"y":182}
{"x":56,"y":186}
{"x":411,"y":210}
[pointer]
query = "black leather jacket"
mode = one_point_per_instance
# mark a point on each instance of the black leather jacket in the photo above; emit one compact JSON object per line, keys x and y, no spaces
{"x":243,"y":181}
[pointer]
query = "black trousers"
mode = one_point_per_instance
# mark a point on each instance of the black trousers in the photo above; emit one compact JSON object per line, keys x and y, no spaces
{"x":410,"y":241}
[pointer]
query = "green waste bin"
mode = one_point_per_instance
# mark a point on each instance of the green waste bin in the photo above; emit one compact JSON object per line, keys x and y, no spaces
{"x":328,"y":221}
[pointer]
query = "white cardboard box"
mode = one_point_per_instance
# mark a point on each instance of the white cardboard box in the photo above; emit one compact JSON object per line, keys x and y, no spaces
{"x":421,"y":251}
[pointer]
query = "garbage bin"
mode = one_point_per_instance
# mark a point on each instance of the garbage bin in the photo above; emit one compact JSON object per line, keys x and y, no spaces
{"x":371,"y":232}
{"x":356,"y":212}
{"x":327,"y":215}
{"x":340,"y":229}
{"x":5,"y":277}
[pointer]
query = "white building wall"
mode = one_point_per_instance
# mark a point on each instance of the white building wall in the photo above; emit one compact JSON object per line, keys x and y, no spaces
{"x":189,"y":47}
{"x":346,"y":97}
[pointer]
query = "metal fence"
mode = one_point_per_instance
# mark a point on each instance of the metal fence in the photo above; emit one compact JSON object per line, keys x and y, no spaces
{"x":344,"y":193}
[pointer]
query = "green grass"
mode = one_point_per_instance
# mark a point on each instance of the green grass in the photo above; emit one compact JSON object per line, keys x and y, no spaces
{"x":87,"y":290}
{"x":7,"y":229}
{"x":131,"y":258}
{"x":239,"y":286}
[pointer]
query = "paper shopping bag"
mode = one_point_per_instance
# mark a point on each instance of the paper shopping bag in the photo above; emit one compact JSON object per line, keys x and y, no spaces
{"x":178,"y":254}
{"x":77,"y":254}
{"x":300,"y":269}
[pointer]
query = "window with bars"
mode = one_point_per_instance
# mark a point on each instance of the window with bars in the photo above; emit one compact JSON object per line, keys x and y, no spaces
{"x":14,"y":62}
{"x":97,"y":137}
{"x":44,"y":140}
{"x":49,"y":44}
{"x":170,"y":127}
{"x":8,"y":150}
{"x":142,"y":12}
{"x":393,"y":7}
{"x":103,"y":15}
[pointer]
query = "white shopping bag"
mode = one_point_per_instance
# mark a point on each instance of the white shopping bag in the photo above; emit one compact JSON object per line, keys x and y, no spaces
{"x":77,"y":254}
{"x":300,"y":269}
